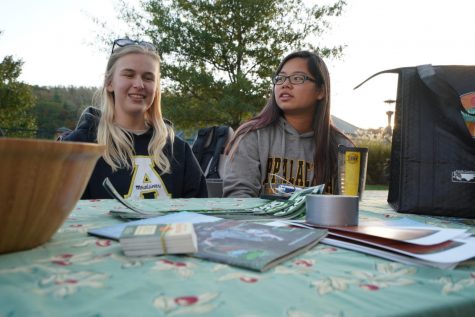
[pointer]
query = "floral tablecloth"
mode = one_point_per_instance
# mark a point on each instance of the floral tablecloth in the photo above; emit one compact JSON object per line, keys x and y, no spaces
{"x":79,"y":275}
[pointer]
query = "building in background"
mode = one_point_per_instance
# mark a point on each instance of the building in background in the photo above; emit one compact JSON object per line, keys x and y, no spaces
{"x":345,"y":127}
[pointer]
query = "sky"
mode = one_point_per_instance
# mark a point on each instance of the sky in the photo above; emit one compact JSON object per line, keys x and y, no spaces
{"x":55,"y":39}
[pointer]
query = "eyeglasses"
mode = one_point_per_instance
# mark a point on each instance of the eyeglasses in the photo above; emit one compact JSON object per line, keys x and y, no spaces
{"x":296,"y":79}
{"x":127,"y":42}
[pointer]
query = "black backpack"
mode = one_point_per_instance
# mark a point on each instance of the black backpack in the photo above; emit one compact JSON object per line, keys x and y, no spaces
{"x":209,"y":146}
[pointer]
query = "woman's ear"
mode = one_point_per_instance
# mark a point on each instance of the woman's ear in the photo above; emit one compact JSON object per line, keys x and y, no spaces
{"x":109,"y":87}
{"x":321,"y":94}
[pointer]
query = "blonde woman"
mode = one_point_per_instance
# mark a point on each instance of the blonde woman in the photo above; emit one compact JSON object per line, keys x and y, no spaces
{"x":143,"y":158}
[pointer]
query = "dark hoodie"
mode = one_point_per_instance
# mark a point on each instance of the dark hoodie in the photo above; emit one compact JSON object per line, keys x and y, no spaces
{"x":144,"y":179}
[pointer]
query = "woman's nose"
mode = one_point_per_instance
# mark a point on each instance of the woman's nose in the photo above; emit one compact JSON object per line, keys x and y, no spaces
{"x":138,"y":83}
{"x":286,"y":83}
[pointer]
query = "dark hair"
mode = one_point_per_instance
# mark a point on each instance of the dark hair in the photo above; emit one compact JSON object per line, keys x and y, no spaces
{"x":326,"y":134}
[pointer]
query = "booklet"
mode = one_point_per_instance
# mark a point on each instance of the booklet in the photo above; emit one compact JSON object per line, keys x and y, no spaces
{"x":385,"y":254}
{"x":251,"y":245}
{"x":451,"y":251}
{"x":404,"y":240}
{"x":239,"y":243}
{"x":412,"y":235}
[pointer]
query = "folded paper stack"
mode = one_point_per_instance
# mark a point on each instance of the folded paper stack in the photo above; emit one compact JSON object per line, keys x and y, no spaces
{"x":156,"y":239}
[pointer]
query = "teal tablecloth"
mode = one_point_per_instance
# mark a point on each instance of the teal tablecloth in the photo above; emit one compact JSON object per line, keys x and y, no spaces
{"x":79,"y":275}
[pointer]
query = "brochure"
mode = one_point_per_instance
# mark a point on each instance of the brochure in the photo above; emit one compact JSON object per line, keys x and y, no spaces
{"x":404,"y":240}
{"x":412,"y":235}
{"x":451,"y":251}
{"x":385,"y":254}
{"x":231,"y":208}
{"x":251,"y":245}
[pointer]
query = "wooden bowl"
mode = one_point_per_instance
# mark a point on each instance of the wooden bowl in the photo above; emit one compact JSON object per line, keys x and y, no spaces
{"x":40,"y":183}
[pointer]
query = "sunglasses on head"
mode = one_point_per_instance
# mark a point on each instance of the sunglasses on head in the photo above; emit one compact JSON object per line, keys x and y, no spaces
{"x":127,"y":42}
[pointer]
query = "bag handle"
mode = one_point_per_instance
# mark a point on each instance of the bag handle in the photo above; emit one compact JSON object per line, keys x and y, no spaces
{"x":388,"y":71}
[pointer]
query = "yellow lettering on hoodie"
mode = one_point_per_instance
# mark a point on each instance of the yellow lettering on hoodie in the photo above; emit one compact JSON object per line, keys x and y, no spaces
{"x":145,"y":180}
{"x":284,"y":167}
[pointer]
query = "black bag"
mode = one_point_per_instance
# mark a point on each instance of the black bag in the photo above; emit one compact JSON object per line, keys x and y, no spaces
{"x":209,"y":146}
{"x":433,"y":153}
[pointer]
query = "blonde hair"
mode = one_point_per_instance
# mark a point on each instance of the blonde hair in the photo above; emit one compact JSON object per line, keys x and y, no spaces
{"x":119,"y":142}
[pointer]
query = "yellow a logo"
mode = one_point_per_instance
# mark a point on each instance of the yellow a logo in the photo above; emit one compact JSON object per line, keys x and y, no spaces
{"x":145,"y":180}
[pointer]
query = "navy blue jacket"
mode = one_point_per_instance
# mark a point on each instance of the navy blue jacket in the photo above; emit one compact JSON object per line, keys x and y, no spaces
{"x":144,"y":179}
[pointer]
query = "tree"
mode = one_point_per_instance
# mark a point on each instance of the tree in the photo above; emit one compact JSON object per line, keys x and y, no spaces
{"x":218,"y":55}
{"x":57,"y":107}
{"x":16,"y":100}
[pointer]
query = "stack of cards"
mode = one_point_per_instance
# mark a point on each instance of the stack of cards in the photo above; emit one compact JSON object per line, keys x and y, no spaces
{"x":156,"y":239}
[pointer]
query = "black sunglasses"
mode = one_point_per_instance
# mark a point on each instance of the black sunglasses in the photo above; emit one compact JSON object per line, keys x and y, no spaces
{"x":127,"y":42}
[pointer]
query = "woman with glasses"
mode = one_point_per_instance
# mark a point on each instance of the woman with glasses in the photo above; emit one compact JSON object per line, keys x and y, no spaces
{"x":292,"y":141}
{"x":143,"y":158}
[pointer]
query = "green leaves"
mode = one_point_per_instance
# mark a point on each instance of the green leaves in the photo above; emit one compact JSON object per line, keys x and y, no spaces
{"x":16,"y":100}
{"x":218,"y":56}
{"x":10,"y":70}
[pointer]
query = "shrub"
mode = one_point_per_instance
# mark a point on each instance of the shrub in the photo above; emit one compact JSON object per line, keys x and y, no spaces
{"x":379,"y":154}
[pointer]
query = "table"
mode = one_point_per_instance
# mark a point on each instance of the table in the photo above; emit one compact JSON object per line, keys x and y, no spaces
{"x":79,"y":275}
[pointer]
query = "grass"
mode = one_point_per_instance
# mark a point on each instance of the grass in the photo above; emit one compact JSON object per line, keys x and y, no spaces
{"x":376,"y":187}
